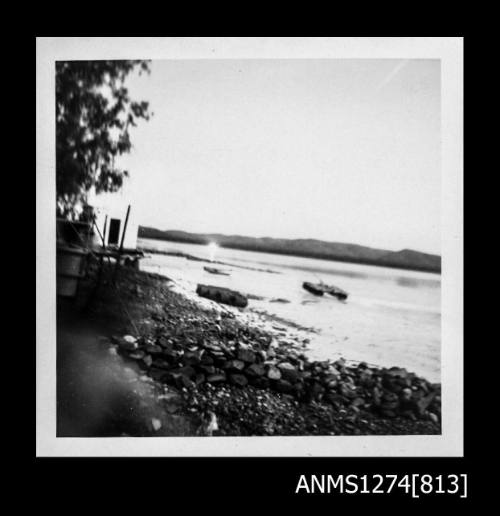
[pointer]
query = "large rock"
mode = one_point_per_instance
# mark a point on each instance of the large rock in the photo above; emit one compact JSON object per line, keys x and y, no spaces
{"x":261,"y":382}
{"x":164,"y":342}
{"x":207,"y":369}
{"x":216,"y":378}
{"x":220,"y":361}
{"x":184,"y":382}
{"x":389,"y":405}
{"x":238,"y":379}
{"x":406,"y":394}
{"x":366,"y":378}
{"x":234,"y":365}
{"x":186,"y":371}
{"x":290,"y":375}
{"x":397,"y":372}
{"x":315,"y":391}
{"x":357,"y":402}
{"x":433,"y":417}
{"x":222,"y":295}
{"x":212,"y":346}
{"x":261,"y":355}
{"x":199,"y":378}
{"x":126,"y":342}
{"x":299,"y":390}
{"x":330,"y":378}
{"x":435,"y":405}
{"x":348,"y":391}
{"x":270,"y":353}
{"x":339,"y":364}
{"x":436,"y":387}
{"x":389,"y":397}
{"x":423,"y":403}
{"x":273,"y":373}
{"x":389,"y":402}
{"x":331,"y":384}
{"x":306,"y":375}
{"x":246,"y":355}
{"x":153,"y":349}
{"x":335,"y":399}
{"x":171,"y":355}
{"x":191,"y":358}
{"x":160,"y":363}
{"x":255,"y":370}
{"x":283,"y":386}
{"x":206,"y":359}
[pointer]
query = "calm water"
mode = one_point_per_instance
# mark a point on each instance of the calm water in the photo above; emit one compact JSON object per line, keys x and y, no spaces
{"x":391,"y":317}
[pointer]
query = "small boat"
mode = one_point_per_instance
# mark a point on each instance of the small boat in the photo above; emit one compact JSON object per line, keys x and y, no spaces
{"x":313,"y":288}
{"x":318,"y":289}
{"x":213,"y":270}
{"x":222,"y":295}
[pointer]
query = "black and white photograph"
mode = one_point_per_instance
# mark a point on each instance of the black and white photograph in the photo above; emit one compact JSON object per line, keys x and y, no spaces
{"x":249,"y":246}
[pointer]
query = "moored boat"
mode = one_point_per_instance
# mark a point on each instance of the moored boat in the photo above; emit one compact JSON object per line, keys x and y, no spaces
{"x":214,"y":270}
{"x":313,"y":288}
{"x":318,"y":289}
{"x":222,"y":295}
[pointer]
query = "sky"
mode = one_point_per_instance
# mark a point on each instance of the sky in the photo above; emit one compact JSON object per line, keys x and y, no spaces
{"x":344,"y":150}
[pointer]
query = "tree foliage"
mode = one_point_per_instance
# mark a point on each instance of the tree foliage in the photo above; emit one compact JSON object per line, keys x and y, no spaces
{"x":93,"y":116}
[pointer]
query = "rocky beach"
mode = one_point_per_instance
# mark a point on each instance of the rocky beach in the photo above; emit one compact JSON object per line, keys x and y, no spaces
{"x":225,"y":371}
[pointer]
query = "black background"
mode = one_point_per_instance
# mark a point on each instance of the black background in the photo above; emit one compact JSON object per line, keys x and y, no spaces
{"x":213,"y":485}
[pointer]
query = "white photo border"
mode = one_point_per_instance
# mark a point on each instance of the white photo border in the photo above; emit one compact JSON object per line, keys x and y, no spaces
{"x":449,"y":51}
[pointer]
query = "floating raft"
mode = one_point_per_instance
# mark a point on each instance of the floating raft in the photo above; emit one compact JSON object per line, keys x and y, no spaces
{"x":213,"y":270}
{"x":318,"y":289}
{"x":222,"y":295}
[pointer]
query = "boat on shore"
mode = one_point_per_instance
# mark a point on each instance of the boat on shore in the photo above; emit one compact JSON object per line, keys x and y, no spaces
{"x":222,"y":295}
{"x":319,"y":289}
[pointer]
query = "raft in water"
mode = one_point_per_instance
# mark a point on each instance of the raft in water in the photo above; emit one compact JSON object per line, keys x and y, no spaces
{"x":222,"y":295}
{"x":214,"y":270}
{"x":318,"y":289}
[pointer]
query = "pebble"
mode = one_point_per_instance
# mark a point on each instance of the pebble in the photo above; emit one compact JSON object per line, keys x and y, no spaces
{"x":433,"y":417}
{"x":156,"y":423}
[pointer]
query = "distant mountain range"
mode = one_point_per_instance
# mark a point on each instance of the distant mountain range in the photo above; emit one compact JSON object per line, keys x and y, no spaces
{"x":309,"y":248}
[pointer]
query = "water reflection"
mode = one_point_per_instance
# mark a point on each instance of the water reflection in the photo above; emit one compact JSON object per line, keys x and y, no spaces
{"x":406,"y":281}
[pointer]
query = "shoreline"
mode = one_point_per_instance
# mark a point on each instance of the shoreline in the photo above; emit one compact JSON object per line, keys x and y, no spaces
{"x":313,"y":256}
{"x":180,"y":254}
{"x":237,"y":374}
{"x":213,"y":352}
{"x":321,"y":338}
{"x":279,"y":327}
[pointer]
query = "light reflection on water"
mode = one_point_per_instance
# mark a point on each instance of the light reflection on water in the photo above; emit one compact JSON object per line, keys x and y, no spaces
{"x":392,"y":317}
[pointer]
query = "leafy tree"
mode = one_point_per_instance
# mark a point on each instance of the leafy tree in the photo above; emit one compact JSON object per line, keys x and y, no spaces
{"x":93,"y":117}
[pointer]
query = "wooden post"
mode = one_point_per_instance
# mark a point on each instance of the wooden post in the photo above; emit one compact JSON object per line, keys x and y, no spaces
{"x":104,"y":232}
{"x":117,"y":265}
{"x":124,"y":229}
{"x":103,"y":236}
{"x":101,"y":261}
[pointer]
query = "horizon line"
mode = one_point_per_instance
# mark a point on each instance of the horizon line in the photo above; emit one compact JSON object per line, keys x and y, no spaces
{"x":291,"y":239}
